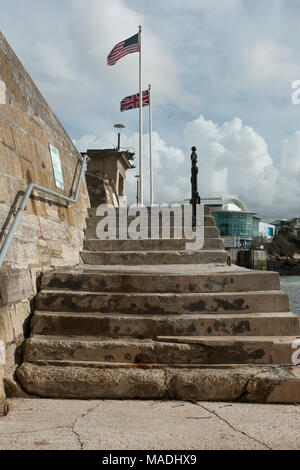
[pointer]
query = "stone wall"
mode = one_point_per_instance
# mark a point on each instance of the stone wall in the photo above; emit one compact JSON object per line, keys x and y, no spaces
{"x":50,"y":234}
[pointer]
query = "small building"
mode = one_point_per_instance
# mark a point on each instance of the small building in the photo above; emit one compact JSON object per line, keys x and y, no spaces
{"x":266,"y":230}
{"x":106,"y":176}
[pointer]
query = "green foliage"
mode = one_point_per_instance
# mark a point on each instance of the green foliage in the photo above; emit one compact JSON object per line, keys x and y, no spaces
{"x":286,"y":228}
{"x":284,"y":246}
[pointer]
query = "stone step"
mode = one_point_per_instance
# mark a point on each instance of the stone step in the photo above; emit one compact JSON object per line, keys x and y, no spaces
{"x":95,"y":281}
{"x":209,"y":221}
{"x":209,"y":232}
{"x":163,"y":304}
{"x":154,"y":257}
{"x":142,"y":326}
{"x":148,"y":245}
{"x":165,"y":350}
{"x":92,"y":212}
{"x":254,"y":384}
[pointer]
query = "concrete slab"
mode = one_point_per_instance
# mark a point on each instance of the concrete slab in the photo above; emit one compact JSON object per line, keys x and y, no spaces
{"x":36,"y":424}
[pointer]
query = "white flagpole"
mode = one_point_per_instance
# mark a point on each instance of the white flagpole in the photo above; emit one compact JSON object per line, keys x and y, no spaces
{"x":150,"y":146}
{"x":141,"y":185}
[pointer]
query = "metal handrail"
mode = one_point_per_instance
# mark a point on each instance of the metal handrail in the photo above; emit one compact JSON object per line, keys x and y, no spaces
{"x":22,"y":207}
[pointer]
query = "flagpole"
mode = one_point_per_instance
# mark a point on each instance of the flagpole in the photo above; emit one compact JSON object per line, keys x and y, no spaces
{"x":141,"y":185}
{"x":150,"y":146}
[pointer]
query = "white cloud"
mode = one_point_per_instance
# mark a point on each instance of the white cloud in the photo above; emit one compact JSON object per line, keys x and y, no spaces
{"x":232,"y":159}
{"x":52,"y":62}
{"x":270,"y":66}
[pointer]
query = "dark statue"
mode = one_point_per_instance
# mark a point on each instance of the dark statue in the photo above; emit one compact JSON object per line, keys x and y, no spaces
{"x":194,"y":180}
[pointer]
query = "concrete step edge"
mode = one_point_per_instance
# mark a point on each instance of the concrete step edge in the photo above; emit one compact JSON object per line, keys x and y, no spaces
{"x":180,"y":316}
{"x":233,"y":383}
{"x":130,"y":341}
{"x":161,"y":294}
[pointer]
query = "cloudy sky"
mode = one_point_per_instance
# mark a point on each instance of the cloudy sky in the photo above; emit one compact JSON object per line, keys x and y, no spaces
{"x":221,"y":73}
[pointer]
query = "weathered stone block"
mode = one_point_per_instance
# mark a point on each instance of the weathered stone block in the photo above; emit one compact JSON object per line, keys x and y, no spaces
{"x":5,"y":196}
{"x":10,"y":163}
{"x":15,"y":286}
{"x":25,"y":145}
{"x":6,"y":133}
{"x":12,"y":320}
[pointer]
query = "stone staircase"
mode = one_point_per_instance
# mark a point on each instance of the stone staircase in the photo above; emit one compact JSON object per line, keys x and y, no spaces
{"x":149,"y":319}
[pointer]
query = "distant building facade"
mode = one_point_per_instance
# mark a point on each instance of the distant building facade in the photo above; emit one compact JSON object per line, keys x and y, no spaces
{"x":238,"y":226}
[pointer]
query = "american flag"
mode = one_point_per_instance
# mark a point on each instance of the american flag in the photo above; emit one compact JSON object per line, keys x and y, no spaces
{"x":123,"y":48}
{"x":133,"y":101}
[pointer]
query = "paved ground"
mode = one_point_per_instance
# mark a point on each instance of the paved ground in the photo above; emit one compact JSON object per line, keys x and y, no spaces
{"x":150,"y":425}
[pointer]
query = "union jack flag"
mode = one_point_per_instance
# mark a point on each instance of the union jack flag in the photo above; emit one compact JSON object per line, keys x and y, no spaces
{"x":133,"y":101}
{"x":123,"y":48}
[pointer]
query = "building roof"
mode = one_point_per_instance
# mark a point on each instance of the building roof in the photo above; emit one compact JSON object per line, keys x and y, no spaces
{"x":226,"y":202}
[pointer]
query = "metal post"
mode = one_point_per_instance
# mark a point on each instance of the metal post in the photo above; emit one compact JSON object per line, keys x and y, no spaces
{"x":150,"y":146}
{"x":141,"y":188}
{"x":137,"y":189}
{"x":194,"y":181}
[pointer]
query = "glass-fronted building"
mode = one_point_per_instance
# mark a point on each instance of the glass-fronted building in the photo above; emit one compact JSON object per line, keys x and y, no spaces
{"x":238,"y":226}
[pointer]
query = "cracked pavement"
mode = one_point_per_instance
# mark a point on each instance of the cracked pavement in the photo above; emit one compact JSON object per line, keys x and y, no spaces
{"x":42,"y":424}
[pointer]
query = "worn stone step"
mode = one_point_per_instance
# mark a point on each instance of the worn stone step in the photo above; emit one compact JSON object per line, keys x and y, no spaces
{"x":209,"y":232}
{"x":148,"y":245}
{"x":154,"y":257}
{"x":92,"y":212}
{"x":163,"y":304}
{"x":166,"y":350}
{"x":208,"y":221}
{"x":161,"y":282}
{"x":115,"y":325}
{"x":267,"y":384}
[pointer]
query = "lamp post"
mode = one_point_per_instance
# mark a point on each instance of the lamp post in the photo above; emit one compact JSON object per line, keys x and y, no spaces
{"x":194,"y":181}
{"x":119,"y":127}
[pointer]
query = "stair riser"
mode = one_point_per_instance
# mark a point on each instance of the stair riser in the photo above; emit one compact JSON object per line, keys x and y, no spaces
{"x":160,"y":304}
{"x":153,"y":258}
{"x":209,"y":232}
{"x":251,"y":384}
{"x":148,"y":245}
{"x":96,"y":282}
{"x":208,"y":221}
{"x":161,"y":353}
{"x":147,"y":327}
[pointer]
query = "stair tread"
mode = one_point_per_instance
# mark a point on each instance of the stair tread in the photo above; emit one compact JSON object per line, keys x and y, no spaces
{"x":228,"y":339}
{"x":141,"y":252}
{"x":126,"y":365}
{"x":161,"y":339}
{"x":171,"y":316}
{"x":163,"y":294}
{"x":163,"y":269}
